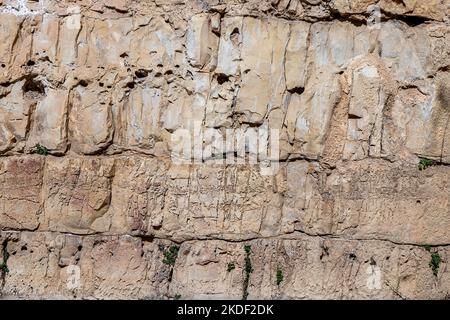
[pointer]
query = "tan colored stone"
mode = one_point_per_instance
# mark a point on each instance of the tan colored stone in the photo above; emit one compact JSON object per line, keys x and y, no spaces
{"x":78,"y":195}
{"x":104,"y":85}
{"x":296,"y":50}
{"x":367,"y":101}
{"x":354,"y":6}
{"x":49,"y":124}
{"x":261,"y":68}
{"x":119,"y":5}
{"x":396,"y":202}
{"x":325,"y":268}
{"x":434,"y":9}
{"x":20,"y":193}
{"x":14,"y":35}
{"x":46,"y":39}
{"x":309,"y":115}
{"x":202,"y":41}
{"x":312,"y":267}
{"x":229,"y":47}
{"x":15,"y":113}
{"x":91,"y":123}
{"x":202,"y":271}
{"x":138,"y":196}
{"x":42,"y":264}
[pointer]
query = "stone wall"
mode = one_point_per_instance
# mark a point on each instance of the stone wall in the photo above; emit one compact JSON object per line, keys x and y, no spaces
{"x":93,"y":205}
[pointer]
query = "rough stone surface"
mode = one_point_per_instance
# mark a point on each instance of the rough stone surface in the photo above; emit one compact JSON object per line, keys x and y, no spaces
{"x":92,"y":205}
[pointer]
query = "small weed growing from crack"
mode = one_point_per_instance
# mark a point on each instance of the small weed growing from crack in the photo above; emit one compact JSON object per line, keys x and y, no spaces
{"x":4,"y":267}
{"x":280,"y":276}
{"x":425,"y":163}
{"x":231,"y":267}
{"x":170,"y":255}
{"x":5,"y":255}
{"x":41,"y":150}
{"x":435,"y":263}
{"x":177,"y":297}
{"x":248,"y":270}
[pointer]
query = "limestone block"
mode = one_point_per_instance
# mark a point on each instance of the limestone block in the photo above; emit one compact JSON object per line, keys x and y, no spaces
{"x":20,"y":193}
{"x":91,"y":123}
{"x":78,"y":195}
{"x":49,"y":124}
{"x":202,"y":41}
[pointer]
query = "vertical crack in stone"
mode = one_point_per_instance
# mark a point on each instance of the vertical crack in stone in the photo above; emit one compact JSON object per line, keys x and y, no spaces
{"x":4,"y":265}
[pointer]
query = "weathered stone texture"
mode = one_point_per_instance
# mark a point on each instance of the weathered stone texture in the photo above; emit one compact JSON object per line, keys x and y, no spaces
{"x":20,"y":193}
{"x":125,"y":267}
{"x":98,"y":88}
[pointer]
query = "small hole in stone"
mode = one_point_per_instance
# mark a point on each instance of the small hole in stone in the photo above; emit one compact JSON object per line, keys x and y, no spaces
{"x":124,"y":55}
{"x":109,"y":87}
{"x":159,"y":74}
{"x":234,"y":36}
{"x":141,"y":73}
{"x":130,"y":85}
{"x":3,"y":65}
{"x":168,"y":72}
{"x":31,"y":85}
{"x":418,"y":202}
{"x":83,"y":83}
{"x":352,"y":256}
{"x":31,"y":63}
{"x":297,"y":90}
{"x":101,"y":84}
{"x":80,"y":247}
{"x":222,"y":78}
{"x":24,"y":248}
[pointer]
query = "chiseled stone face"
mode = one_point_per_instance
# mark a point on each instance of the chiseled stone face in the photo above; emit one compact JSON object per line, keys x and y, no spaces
{"x":93,"y":203}
{"x":123,"y":83}
{"x":21,"y":185}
